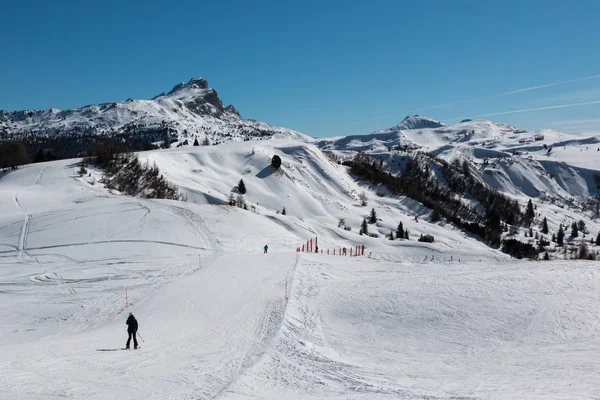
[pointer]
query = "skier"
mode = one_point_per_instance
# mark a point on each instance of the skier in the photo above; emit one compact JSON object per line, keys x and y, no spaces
{"x":132,"y":327}
{"x":266,"y":248}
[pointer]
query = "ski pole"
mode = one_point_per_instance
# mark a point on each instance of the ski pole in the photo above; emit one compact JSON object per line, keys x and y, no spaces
{"x":140,"y":336}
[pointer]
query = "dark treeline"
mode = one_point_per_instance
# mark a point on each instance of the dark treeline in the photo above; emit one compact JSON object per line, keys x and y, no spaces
{"x":124,"y":172}
{"x":417,"y":182}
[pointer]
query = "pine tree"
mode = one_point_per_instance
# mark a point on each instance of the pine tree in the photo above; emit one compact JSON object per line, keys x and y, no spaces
{"x":529,"y":213}
{"x":406,"y":234}
{"x":205,"y":141}
{"x":373,"y":217}
{"x":545,"y":226}
{"x":530,"y":232}
{"x":364,"y":229}
{"x":242,"y":187}
{"x":598,"y":239}
{"x":574,"y":230}
{"x":400,"y":231}
{"x":581,"y":227}
{"x":392,"y":235}
{"x":283,"y":211}
{"x":166,"y":144}
{"x":560,"y":236}
{"x":196,"y":142}
{"x":554,"y":237}
{"x":546,"y":257}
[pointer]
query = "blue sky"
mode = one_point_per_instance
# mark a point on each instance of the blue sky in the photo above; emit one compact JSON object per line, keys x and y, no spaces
{"x":321,"y":67}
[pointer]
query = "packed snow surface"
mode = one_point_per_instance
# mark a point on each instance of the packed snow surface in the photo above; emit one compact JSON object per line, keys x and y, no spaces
{"x":409,"y":320}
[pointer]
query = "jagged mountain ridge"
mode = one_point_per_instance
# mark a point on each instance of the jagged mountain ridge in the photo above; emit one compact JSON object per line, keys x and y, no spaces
{"x":189,"y":110}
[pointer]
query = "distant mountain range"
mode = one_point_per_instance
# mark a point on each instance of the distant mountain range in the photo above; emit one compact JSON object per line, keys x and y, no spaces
{"x":189,"y":111}
{"x":545,"y":163}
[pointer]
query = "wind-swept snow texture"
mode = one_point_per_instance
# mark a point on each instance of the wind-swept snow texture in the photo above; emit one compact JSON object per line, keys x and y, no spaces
{"x":449,"y":319}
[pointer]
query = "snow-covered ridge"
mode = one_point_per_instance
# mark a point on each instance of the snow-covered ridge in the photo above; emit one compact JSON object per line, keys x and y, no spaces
{"x":418,"y":122}
{"x":544,"y":163}
{"x":189,"y":110}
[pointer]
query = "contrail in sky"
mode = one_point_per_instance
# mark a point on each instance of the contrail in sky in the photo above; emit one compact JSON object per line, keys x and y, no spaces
{"x":493,"y":96}
{"x":511,"y":92}
{"x":532,"y":109}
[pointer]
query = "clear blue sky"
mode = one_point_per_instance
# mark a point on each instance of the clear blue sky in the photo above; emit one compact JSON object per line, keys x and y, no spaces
{"x":321,"y":67}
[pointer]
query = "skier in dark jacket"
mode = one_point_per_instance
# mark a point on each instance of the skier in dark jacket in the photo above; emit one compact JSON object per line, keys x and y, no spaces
{"x":266,"y":248}
{"x":132,"y":327}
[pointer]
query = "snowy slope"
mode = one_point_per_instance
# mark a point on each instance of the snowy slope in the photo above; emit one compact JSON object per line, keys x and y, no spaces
{"x":362,"y":329}
{"x":190,"y":110}
{"x":411,"y":320}
{"x":315,"y":192}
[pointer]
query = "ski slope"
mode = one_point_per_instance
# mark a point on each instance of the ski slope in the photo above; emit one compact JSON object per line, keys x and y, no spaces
{"x":450,"y":319}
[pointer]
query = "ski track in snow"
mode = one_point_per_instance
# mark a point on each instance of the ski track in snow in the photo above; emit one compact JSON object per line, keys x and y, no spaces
{"x":23,"y":237}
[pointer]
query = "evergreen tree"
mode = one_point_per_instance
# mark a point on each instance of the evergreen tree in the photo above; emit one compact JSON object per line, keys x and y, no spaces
{"x":406,"y":234}
{"x":205,"y":141}
{"x":530,"y":232}
{"x":583,"y":252}
{"x":400,"y":231}
{"x":529,"y":213}
{"x":546,"y":257}
{"x":166,"y":144}
{"x":560,"y":236}
{"x":242,"y":187}
{"x":574,"y":230}
{"x":276,"y":161}
{"x":598,"y":239}
{"x":196,"y":142}
{"x":283,"y":211}
{"x":545,"y":226}
{"x":581,"y":227}
{"x":554,"y":237}
{"x":373,"y":217}
{"x":364,"y":229}
{"x":231,"y":200}
{"x":392,"y":235}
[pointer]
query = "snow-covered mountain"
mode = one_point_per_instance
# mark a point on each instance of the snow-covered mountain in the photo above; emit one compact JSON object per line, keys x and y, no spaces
{"x":189,"y":110}
{"x":418,"y":122}
{"x":546,"y":164}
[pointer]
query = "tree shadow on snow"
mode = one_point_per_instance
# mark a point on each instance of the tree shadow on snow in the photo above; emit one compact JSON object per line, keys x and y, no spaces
{"x":266,"y":172}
